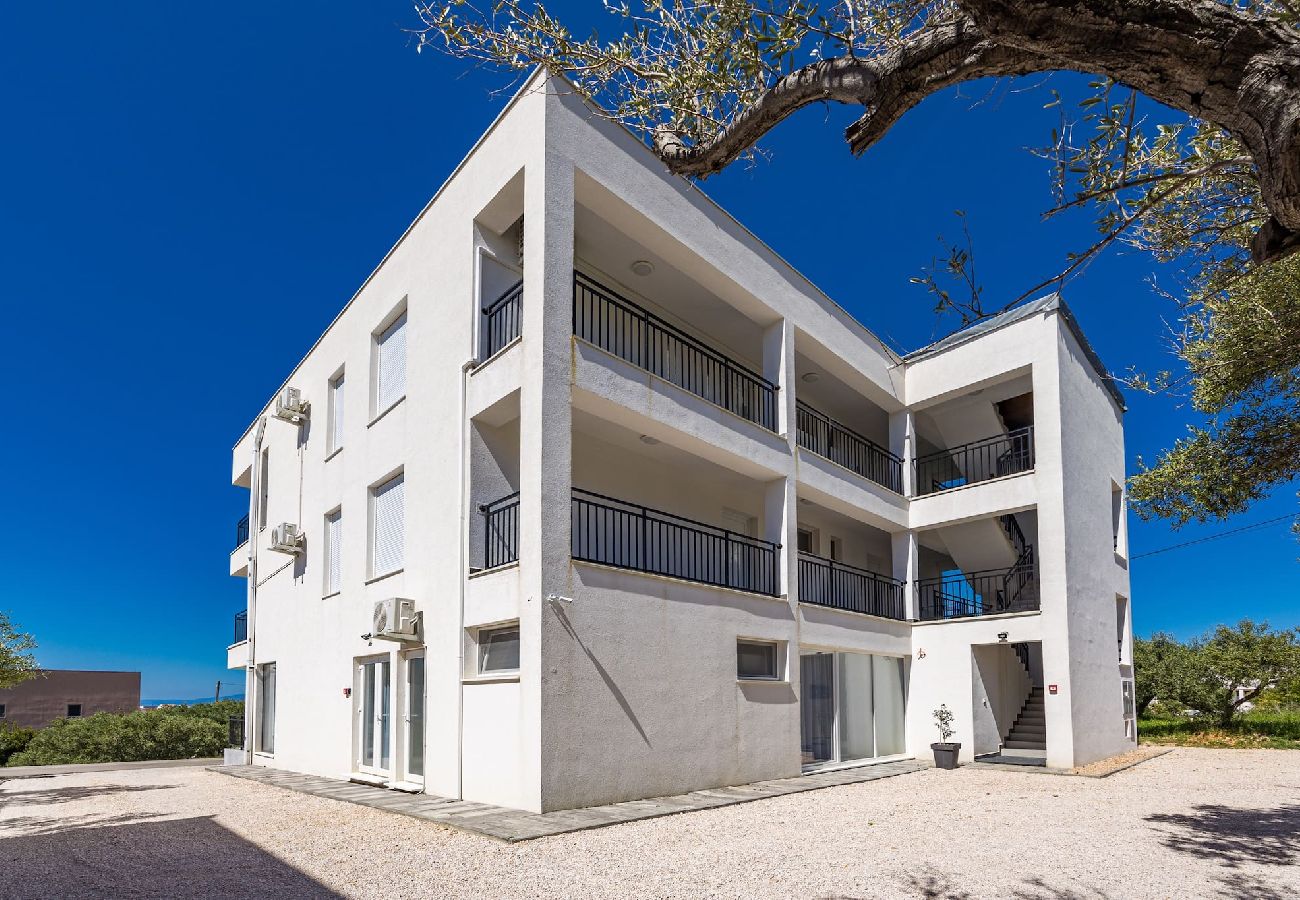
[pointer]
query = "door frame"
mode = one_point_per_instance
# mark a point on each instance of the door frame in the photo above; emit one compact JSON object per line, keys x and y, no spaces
{"x":373,"y":769}
{"x":407,"y":776}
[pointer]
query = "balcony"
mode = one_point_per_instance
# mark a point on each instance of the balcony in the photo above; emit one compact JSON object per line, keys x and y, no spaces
{"x":825,"y":582}
{"x":500,"y":531}
{"x":612,"y":532}
{"x":237,"y":652}
{"x":238,"y":556}
{"x":974,"y":462}
{"x":820,"y":434}
{"x":623,"y":329}
{"x":957,"y":595}
{"x":501,"y":320}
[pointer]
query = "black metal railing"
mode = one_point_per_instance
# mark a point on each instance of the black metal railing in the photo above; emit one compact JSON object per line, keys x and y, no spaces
{"x":241,"y":532}
{"x":628,"y":536}
{"x":824,"y":436}
{"x":959,"y":594}
{"x":977,"y":461}
{"x":500,"y":531}
{"x":235,"y":732}
{"x":825,"y":582}
{"x":501,"y":320}
{"x":241,"y":626}
{"x":1011,"y":528}
{"x":618,"y":326}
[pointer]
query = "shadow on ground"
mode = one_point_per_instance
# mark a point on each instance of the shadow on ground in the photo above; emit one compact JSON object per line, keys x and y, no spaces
{"x":938,"y":886}
{"x":172,"y":858}
{"x":17,"y":796}
{"x":1232,"y":836}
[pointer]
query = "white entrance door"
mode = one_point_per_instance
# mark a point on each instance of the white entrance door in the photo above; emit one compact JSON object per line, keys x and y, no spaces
{"x":374,"y":717}
{"x":413,"y":718}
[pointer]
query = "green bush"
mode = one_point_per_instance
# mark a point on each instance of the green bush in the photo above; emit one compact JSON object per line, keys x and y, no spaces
{"x":13,"y":740}
{"x":220,"y":711}
{"x":175,"y":733}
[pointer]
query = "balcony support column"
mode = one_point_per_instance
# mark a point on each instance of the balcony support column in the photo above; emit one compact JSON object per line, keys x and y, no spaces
{"x":907,"y":567}
{"x":780,"y":527}
{"x":902,"y":443}
{"x":778,"y":368}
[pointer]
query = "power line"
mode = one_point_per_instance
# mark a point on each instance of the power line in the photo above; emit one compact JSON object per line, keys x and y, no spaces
{"x":1215,"y":537}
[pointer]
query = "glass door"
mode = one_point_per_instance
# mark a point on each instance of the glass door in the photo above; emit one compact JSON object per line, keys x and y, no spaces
{"x":852,"y":707}
{"x":817,"y":707}
{"x":374,"y":696}
{"x":414,"y":718}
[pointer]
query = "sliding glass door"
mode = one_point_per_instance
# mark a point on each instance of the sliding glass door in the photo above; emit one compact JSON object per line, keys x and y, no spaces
{"x":851,"y":707}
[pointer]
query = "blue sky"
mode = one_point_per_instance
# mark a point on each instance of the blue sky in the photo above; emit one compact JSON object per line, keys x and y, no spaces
{"x":174,"y":172}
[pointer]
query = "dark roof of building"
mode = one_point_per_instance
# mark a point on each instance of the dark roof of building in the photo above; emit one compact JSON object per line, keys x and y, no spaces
{"x":1050,"y":303}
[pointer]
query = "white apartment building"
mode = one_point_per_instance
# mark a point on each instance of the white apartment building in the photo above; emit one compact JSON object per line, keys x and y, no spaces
{"x":643,"y":512}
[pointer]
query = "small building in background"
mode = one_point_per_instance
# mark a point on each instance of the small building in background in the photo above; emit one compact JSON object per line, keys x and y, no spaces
{"x":68,"y":694}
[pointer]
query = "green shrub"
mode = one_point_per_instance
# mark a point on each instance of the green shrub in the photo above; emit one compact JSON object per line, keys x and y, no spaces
{"x":13,"y":740}
{"x":220,"y":711}
{"x":129,"y":737}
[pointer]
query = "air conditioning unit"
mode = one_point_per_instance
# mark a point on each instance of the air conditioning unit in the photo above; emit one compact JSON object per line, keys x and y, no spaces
{"x":290,"y":406}
{"x":287,"y":538}
{"x":395,"y":619}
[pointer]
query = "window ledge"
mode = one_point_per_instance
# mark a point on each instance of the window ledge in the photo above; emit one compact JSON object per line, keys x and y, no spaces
{"x":503,"y":678}
{"x":392,"y":406}
{"x":331,"y":595}
{"x":333,"y":453}
{"x":784,"y":681}
{"x":375,"y":578}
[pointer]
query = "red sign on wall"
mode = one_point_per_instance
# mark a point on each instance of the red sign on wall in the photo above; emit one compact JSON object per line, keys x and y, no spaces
{"x":1051,"y":689}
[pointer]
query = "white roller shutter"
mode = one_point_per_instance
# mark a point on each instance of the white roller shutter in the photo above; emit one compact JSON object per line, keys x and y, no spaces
{"x":333,"y":552}
{"x":387,"y":519}
{"x":391,"y":365}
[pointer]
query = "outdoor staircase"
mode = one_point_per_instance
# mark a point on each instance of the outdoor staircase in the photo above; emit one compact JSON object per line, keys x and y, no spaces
{"x":1030,"y":729}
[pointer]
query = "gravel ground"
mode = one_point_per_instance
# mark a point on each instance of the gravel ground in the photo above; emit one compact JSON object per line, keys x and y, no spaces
{"x":1191,"y":823}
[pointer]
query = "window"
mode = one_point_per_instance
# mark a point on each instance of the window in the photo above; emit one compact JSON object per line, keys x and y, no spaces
{"x":805,"y":541}
{"x":390,"y":365}
{"x":263,"y":486}
{"x":498,"y":650}
{"x":836,"y":550}
{"x":333,"y":552}
{"x":387,"y":527}
{"x":2,"y":710}
{"x":758,"y":660}
{"x":335,"y":414}
{"x":266,"y":720}
{"x":74,"y":710}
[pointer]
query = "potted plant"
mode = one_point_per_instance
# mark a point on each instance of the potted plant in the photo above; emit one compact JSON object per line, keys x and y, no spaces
{"x":945,"y":752}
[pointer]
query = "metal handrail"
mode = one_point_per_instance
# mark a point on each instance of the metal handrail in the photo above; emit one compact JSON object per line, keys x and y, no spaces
{"x":501,"y":320}
{"x":614,"y":532}
{"x":828,"y":582}
{"x":629,"y":331}
{"x":500,"y":531}
{"x":965,"y":594}
{"x":241,"y":532}
{"x":826,"y":437}
{"x":975,"y":461}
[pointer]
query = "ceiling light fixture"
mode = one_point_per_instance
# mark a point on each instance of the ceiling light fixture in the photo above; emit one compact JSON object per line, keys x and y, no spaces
{"x":649,"y":441}
{"x":811,"y":377}
{"x":642,"y":267}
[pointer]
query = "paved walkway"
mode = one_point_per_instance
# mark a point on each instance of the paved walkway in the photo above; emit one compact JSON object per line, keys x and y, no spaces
{"x":513,"y":825}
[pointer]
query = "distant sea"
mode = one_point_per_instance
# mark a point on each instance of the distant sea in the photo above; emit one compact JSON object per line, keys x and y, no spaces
{"x":151,"y":703}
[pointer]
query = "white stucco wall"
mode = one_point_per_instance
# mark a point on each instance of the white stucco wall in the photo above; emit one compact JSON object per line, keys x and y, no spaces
{"x":627,"y":688}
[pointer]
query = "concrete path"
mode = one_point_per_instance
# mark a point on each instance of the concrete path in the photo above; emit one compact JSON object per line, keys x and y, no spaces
{"x":512,"y":825}
{"x":45,"y":771}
